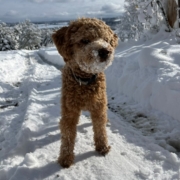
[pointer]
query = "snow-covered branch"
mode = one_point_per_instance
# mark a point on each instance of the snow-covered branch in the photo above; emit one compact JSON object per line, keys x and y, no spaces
{"x":143,"y":18}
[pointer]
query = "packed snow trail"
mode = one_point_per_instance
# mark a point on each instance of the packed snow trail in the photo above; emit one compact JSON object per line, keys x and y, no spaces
{"x":35,"y":87}
{"x":144,"y":143}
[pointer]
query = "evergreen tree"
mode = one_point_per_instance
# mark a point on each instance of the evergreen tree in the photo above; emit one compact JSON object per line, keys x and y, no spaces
{"x":7,"y":39}
{"x":140,"y":18}
{"x":29,"y":35}
{"x":46,"y":37}
{"x":25,"y":35}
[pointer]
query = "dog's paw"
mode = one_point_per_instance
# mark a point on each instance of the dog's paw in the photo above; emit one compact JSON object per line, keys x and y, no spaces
{"x":103,"y":150}
{"x":66,"y":161}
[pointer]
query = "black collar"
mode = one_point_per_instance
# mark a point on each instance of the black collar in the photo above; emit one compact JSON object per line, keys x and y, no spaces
{"x":84,"y":81}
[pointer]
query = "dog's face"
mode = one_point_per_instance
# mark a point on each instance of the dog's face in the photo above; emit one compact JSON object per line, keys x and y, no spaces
{"x":86,"y":43}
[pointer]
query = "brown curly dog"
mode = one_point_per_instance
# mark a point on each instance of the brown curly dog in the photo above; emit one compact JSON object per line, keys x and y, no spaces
{"x":87,"y":46}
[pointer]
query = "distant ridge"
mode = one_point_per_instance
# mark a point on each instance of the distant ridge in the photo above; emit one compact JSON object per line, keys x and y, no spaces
{"x":109,"y":21}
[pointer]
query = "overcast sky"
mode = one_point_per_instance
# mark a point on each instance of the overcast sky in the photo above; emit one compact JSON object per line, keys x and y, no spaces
{"x":46,"y":10}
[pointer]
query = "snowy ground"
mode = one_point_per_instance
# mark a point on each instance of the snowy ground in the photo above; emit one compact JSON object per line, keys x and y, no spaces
{"x":144,"y":130}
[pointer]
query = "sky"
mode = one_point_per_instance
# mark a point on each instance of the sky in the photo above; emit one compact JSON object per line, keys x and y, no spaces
{"x":48,"y":10}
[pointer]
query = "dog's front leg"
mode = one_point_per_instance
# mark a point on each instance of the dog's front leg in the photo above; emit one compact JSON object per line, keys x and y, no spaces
{"x":99,"y":119}
{"x":68,"y":124}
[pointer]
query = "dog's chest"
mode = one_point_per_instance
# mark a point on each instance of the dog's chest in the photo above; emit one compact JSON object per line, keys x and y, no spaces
{"x":84,"y":96}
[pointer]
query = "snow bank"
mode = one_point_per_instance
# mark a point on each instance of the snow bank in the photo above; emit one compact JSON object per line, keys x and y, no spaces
{"x":150,"y":75}
{"x":51,"y":56}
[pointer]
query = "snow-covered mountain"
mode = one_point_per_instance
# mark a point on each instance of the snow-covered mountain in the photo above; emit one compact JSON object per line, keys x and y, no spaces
{"x":143,"y":87}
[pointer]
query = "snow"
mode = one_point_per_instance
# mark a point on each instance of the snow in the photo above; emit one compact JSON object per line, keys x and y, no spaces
{"x":51,"y":56}
{"x":150,"y":75}
{"x":143,"y":87}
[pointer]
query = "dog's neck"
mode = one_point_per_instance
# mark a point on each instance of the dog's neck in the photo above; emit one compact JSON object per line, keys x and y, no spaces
{"x":82,"y":77}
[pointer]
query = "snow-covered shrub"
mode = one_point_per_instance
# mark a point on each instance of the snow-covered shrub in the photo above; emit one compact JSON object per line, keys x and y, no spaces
{"x":141,"y":18}
{"x":8,"y":40}
{"x":29,"y":35}
{"x":129,"y":27}
{"x":25,"y":35}
{"x":46,"y":37}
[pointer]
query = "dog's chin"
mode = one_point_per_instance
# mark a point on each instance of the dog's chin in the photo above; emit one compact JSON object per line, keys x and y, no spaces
{"x":95,"y":67}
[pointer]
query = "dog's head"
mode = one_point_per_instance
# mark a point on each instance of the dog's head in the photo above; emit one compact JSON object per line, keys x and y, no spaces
{"x":86,"y":43}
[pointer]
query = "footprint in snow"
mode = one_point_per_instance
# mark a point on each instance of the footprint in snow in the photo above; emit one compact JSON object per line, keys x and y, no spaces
{"x":147,"y":125}
{"x":140,"y":121}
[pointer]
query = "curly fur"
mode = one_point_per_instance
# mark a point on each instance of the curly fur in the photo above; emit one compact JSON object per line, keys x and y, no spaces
{"x":87,"y":46}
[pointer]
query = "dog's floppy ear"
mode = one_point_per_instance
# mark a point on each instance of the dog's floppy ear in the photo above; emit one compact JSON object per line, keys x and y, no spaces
{"x":60,"y":41}
{"x":114,"y":42}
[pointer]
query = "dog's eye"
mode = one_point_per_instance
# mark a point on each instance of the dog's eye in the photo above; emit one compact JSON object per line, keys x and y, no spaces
{"x":85,"y":41}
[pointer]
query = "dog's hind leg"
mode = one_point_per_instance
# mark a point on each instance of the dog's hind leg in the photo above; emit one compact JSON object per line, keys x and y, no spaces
{"x":99,"y":120}
{"x":68,"y":124}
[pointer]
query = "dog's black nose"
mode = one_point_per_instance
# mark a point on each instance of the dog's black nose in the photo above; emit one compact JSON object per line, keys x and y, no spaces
{"x":103,"y":53}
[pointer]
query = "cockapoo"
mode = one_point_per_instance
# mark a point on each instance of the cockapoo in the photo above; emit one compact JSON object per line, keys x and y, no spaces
{"x":87,"y":46}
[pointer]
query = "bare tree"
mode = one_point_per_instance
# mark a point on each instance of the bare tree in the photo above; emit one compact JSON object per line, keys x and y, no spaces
{"x":171,"y":12}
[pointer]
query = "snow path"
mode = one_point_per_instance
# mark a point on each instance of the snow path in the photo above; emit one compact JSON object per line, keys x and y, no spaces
{"x":29,"y":134}
{"x":36,"y":89}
